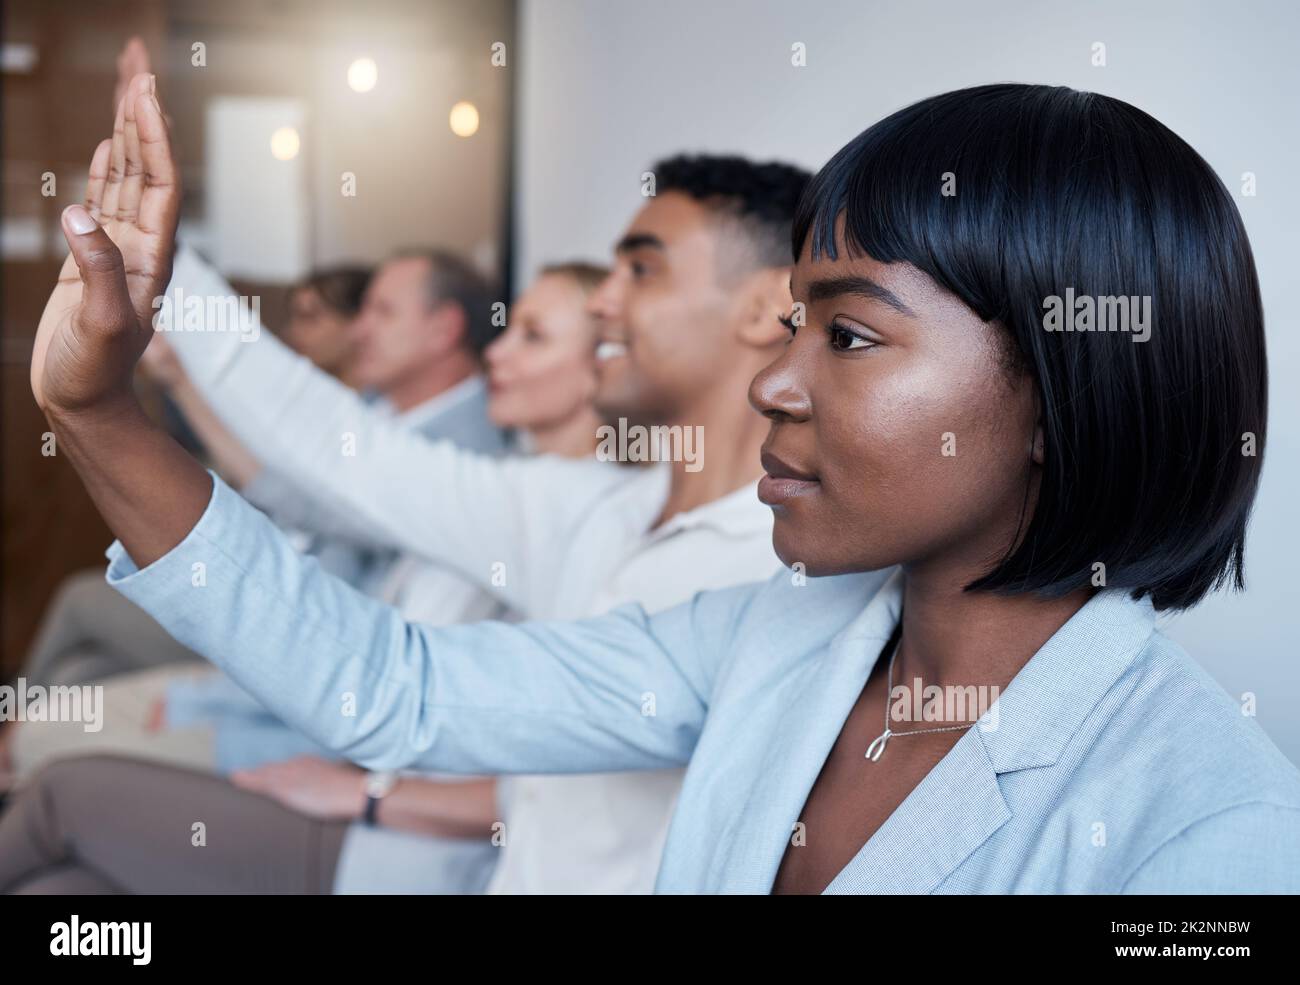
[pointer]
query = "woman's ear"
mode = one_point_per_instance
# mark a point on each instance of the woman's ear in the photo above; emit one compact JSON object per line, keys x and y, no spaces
{"x":765,"y":298}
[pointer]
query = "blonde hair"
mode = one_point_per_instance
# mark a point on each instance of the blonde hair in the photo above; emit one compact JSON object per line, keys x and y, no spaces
{"x":586,"y":275}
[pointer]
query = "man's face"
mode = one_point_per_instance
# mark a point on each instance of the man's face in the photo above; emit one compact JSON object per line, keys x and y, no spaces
{"x":662,"y":315}
{"x":396,"y":332}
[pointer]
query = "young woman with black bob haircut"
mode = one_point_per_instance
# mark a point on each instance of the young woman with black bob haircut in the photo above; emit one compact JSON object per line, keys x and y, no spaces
{"x":969,"y":502}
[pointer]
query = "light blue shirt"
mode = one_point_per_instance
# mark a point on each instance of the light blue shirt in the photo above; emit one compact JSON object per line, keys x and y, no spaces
{"x":1116,"y":764}
{"x":245,"y":734}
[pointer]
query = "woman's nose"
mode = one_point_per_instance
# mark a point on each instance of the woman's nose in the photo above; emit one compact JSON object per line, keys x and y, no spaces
{"x":780,"y":391}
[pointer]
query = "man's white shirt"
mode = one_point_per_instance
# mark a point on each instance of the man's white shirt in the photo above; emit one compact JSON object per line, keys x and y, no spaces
{"x":604,"y":832}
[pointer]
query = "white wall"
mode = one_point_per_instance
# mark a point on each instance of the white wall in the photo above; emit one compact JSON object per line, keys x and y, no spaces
{"x":416,"y":184}
{"x":608,"y":86}
{"x":257,"y":205}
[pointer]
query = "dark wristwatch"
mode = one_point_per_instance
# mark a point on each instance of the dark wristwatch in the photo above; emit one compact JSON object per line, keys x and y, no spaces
{"x":379,"y":784}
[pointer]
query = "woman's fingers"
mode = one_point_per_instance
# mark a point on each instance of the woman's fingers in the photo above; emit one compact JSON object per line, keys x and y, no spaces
{"x":128,"y":200}
{"x":98,"y":177}
{"x":160,"y":200}
{"x":116,"y":166}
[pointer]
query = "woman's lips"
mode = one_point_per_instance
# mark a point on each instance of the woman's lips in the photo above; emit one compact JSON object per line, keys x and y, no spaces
{"x":783,"y":482}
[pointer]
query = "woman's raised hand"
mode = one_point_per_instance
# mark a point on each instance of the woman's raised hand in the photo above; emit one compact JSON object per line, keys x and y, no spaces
{"x":99,"y":317}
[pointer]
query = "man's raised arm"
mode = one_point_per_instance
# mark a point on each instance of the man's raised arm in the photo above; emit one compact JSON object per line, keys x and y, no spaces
{"x":379,"y":482}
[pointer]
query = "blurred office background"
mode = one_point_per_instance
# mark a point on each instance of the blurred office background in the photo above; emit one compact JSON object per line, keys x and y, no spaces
{"x":592,"y":92}
{"x":280,"y":102}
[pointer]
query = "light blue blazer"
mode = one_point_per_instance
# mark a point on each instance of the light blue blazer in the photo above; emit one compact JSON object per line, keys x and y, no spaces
{"x":1116,"y":764}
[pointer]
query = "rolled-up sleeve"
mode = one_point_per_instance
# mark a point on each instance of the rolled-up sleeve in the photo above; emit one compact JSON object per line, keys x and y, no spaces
{"x":621,"y":691}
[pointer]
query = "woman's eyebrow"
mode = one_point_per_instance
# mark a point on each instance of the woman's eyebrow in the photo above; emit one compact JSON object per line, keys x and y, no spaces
{"x":833,"y":287}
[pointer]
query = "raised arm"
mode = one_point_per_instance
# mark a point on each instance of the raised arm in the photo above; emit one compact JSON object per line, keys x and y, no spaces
{"x":367,"y":477}
{"x":98,"y":321}
{"x":621,"y":691}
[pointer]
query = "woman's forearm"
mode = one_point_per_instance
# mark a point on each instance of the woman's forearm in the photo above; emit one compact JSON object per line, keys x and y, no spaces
{"x":351,"y":673}
{"x":149,"y":490}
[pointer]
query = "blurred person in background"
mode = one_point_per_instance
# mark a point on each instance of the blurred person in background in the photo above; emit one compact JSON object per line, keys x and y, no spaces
{"x":321,"y":310}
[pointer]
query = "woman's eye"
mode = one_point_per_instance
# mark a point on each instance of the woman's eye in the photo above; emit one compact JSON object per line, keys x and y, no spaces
{"x":842,"y":340}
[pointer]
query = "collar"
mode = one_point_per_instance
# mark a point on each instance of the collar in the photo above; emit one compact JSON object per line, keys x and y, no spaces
{"x":467,"y":389}
{"x":1047,"y":702}
{"x":738,"y":514}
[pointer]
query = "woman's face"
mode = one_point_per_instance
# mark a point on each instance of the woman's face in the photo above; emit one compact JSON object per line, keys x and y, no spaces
{"x":542,"y":370}
{"x":317,"y":331}
{"x":897,"y":434}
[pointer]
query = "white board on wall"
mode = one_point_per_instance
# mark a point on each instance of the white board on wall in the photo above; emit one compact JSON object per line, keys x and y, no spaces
{"x":257,"y":214}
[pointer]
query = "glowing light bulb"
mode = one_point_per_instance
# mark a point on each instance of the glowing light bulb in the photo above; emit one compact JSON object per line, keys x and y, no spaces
{"x":363,"y":74}
{"x":464,"y":120}
{"x":285,"y":144}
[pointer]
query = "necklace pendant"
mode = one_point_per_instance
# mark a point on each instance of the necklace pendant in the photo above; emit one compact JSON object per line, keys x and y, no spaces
{"x":877,"y":746}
